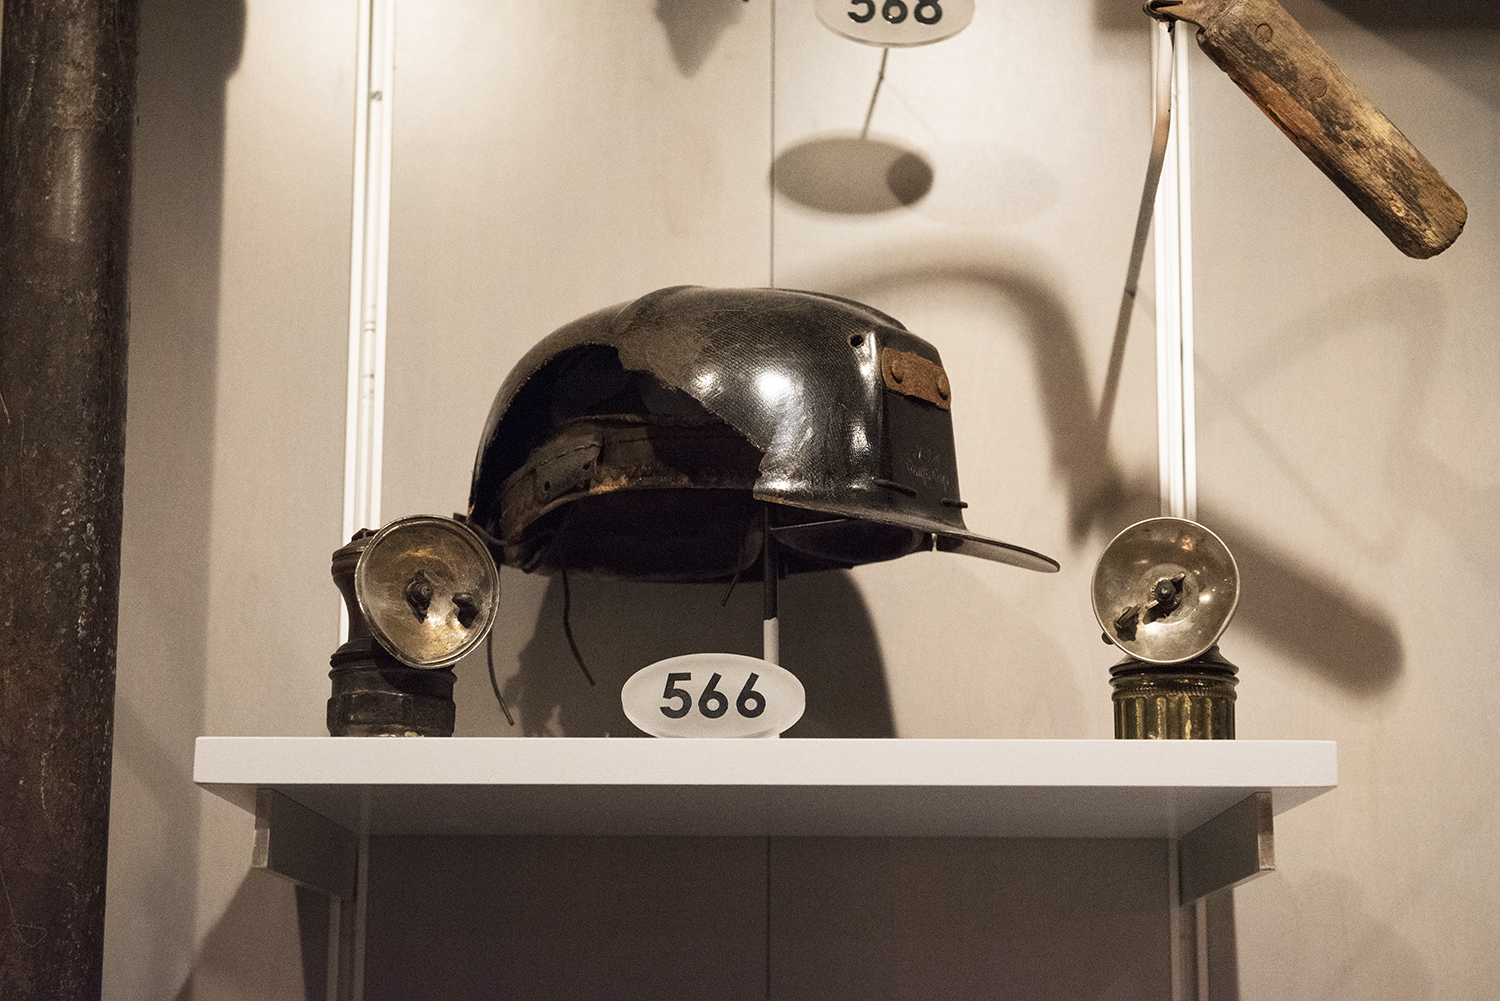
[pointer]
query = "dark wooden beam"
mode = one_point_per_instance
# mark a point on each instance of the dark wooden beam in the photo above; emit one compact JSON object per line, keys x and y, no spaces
{"x":67,"y":96}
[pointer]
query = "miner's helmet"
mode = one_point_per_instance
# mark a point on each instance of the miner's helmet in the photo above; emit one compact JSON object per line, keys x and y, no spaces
{"x":661,"y":438}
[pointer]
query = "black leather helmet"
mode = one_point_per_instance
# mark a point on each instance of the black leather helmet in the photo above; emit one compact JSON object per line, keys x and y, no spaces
{"x":641,"y":440}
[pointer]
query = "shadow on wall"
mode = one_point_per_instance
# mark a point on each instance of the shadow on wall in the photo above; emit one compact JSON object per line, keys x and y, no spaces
{"x":827,"y":640}
{"x":851,"y":175}
{"x":1308,"y":614}
{"x":693,"y":28}
{"x":248,"y":954}
{"x":1100,"y":497}
{"x":1406,"y":322}
{"x":188,"y":49}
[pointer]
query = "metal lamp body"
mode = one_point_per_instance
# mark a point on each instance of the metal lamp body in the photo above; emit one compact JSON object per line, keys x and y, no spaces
{"x":374,"y":694}
{"x":421,"y":593}
{"x":1163,"y":591}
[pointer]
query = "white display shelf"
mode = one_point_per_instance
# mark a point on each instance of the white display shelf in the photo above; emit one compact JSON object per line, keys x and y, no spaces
{"x":615,"y":786}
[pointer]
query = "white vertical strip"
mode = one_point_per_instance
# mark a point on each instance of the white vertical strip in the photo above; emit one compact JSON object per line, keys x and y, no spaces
{"x":1165,"y":246}
{"x":1177,"y":437}
{"x":1189,"y":446}
{"x":356,"y":267}
{"x":369,"y":249}
{"x":384,"y":18}
{"x":1169,"y":321}
{"x":1174,"y":313}
{"x":369,"y":246}
{"x":771,"y":188}
{"x":1187,"y":410}
{"x":369,"y":243}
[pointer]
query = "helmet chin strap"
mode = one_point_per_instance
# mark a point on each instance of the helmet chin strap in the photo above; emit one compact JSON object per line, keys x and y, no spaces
{"x":567,"y":624}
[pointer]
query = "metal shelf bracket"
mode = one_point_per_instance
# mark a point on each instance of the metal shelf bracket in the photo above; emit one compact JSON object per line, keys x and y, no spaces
{"x":1234,"y":847}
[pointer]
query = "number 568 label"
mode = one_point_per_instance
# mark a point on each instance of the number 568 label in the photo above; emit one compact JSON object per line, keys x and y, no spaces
{"x":896,"y":22}
{"x":713,"y":695}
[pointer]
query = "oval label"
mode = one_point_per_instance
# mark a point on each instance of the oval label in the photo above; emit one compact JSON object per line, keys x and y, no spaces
{"x":713,"y":695}
{"x":896,"y":22}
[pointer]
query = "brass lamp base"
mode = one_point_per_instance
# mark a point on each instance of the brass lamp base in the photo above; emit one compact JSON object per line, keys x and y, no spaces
{"x":1189,"y":700}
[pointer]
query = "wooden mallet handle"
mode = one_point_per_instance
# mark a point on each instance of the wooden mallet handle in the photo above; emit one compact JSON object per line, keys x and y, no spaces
{"x":1273,"y":60}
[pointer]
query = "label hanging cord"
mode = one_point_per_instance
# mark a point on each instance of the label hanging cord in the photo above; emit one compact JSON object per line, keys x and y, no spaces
{"x":879,"y":79}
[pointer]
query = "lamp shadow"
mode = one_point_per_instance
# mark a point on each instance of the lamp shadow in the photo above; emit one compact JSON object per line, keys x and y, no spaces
{"x":1306,"y":613}
{"x":1308,"y":616}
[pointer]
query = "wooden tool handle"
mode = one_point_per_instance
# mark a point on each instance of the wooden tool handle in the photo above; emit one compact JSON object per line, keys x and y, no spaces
{"x":1284,"y":71}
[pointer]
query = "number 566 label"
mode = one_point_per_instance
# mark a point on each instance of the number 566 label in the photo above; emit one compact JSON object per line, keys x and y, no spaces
{"x":896,"y":22}
{"x":713,"y":695}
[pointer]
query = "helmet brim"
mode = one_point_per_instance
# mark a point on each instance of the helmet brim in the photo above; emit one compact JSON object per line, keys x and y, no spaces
{"x":828,"y":538}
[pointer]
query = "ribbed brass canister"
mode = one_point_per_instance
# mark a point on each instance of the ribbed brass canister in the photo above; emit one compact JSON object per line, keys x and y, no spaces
{"x":1191,"y":700}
